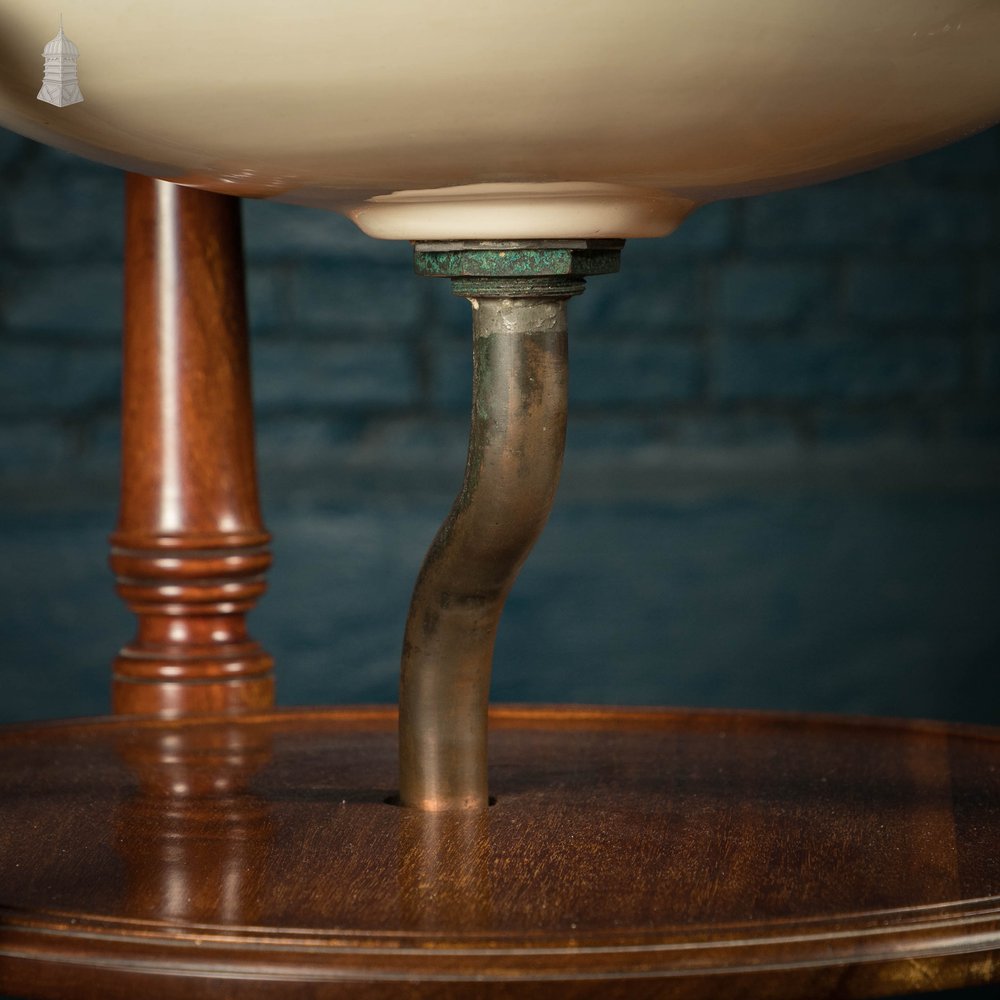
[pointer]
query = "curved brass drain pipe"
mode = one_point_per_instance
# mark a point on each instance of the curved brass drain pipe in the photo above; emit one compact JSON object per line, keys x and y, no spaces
{"x":515,"y":455}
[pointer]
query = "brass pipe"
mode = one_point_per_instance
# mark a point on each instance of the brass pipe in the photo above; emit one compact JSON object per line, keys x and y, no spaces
{"x":515,"y":454}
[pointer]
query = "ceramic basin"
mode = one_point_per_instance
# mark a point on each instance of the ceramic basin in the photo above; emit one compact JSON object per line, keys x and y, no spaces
{"x":451,"y":119}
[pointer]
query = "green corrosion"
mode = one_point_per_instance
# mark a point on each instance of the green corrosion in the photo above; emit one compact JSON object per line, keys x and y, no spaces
{"x":516,"y":269}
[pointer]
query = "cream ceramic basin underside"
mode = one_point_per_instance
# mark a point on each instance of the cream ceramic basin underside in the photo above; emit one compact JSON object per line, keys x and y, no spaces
{"x":491,"y":119}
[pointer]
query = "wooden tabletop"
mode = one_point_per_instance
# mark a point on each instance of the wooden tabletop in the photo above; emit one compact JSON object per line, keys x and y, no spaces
{"x":633,"y":853}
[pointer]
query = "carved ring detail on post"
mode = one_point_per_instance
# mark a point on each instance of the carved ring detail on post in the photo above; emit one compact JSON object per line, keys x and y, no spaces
{"x":190,"y":550}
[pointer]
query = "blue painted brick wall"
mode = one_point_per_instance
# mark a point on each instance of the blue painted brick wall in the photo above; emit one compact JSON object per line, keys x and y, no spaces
{"x":781,"y":481}
{"x":871,"y":301}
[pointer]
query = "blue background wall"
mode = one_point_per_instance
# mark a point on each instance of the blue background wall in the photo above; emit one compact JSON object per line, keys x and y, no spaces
{"x":780,"y":491}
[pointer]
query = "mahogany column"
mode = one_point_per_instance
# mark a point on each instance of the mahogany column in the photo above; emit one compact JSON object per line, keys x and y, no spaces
{"x":190,"y":550}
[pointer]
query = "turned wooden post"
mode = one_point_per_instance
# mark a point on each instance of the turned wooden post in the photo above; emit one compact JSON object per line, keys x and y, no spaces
{"x":190,"y":550}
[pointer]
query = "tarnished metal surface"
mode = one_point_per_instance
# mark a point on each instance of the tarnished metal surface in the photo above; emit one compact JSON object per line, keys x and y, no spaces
{"x":512,"y":470}
{"x":517,"y":259}
{"x":515,"y":455}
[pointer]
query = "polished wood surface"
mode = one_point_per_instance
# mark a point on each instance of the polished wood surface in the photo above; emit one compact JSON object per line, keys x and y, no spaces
{"x":190,"y":550}
{"x":629,"y":854}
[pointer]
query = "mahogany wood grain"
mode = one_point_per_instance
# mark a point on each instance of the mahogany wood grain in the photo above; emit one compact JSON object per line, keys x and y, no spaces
{"x":190,"y":549}
{"x":632,"y":854}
